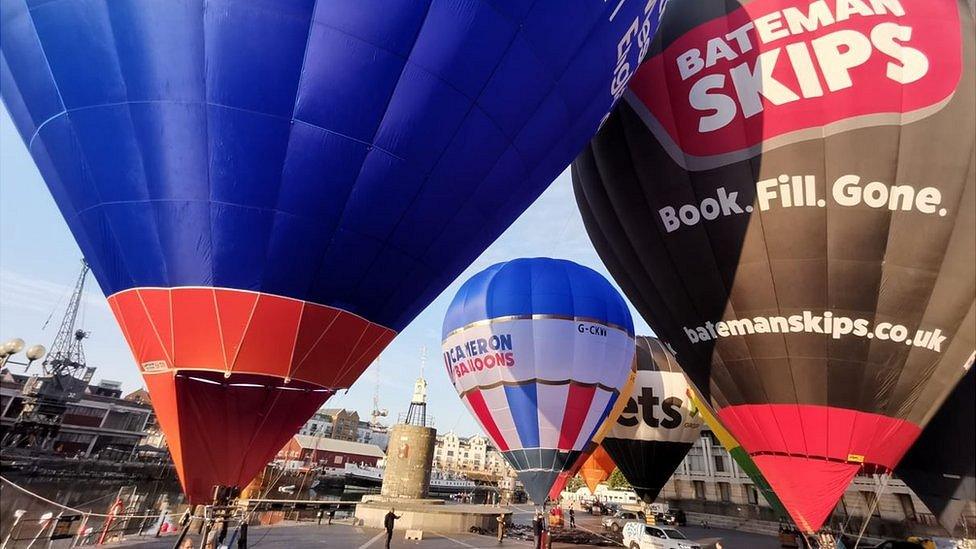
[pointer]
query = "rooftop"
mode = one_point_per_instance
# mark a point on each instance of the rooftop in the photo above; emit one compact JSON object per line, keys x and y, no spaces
{"x":340,"y":446}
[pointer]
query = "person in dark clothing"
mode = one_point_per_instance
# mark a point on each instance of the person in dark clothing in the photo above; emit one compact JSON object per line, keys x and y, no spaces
{"x":537,"y":528}
{"x":388,"y":522}
{"x":332,"y":511}
{"x":572,"y":518}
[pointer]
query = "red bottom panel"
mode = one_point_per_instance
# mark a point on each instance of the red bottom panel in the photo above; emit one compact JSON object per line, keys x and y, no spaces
{"x":242,"y":332}
{"x":222,"y":431}
{"x":809,"y":454}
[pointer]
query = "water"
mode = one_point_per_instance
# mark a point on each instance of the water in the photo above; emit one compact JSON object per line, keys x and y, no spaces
{"x":89,"y":496}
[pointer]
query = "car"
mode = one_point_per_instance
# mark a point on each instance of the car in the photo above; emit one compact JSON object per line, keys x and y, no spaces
{"x":638,"y":535}
{"x":616,"y":521}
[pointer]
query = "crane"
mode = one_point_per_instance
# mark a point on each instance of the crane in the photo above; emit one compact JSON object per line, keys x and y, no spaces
{"x":63,"y":379}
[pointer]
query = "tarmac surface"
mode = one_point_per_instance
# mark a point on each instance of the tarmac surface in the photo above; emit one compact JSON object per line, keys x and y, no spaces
{"x":342,"y":534}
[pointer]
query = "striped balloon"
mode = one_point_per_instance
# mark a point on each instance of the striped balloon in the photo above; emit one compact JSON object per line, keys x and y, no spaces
{"x":539,"y":349}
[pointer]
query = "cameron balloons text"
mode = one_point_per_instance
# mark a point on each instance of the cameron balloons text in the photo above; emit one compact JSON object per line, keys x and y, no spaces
{"x":539,"y":350}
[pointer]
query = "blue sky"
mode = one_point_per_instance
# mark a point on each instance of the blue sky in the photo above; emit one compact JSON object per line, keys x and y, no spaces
{"x":39,"y":262}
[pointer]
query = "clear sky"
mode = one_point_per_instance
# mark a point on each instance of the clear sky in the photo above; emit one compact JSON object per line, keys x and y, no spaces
{"x":39,"y":263}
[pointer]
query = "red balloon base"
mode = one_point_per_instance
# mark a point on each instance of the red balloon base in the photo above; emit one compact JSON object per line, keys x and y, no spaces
{"x":809,"y":454}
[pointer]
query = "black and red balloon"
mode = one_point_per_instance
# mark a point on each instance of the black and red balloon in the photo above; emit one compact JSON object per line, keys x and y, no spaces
{"x":787,"y":196}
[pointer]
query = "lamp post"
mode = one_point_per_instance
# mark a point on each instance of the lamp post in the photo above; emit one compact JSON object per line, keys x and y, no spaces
{"x":13,"y":346}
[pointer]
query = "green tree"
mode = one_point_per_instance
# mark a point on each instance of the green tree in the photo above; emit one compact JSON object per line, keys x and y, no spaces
{"x":617,"y":481}
{"x":574,"y":484}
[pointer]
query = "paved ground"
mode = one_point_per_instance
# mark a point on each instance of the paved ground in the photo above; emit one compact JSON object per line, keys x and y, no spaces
{"x":293,"y":536}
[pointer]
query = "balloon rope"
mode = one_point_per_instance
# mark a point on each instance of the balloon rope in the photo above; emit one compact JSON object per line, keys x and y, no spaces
{"x":878,"y":492}
{"x":72,"y":509}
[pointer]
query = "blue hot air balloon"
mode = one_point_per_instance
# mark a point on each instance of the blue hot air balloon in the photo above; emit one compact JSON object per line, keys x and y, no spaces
{"x":268,"y":191}
{"x":538,"y":350}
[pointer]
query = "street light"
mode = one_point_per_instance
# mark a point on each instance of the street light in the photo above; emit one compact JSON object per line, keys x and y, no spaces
{"x":13,"y":346}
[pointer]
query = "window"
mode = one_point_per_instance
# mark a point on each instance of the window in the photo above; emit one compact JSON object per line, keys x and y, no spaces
{"x":337,"y":460}
{"x":752,"y":494}
{"x":699,"y":489}
{"x":725,"y":491}
{"x":654,"y":532}
{"x":870,"y":499}
{"x":719,"y":464}
{"x":907,"y":507}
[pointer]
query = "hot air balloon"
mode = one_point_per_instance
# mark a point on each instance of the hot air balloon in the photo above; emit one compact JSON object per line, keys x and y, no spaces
{"x":658,"y":425}
{"x":786,"y":195}
{"x":597,"y":468}
{"x":269,"y":192}
{"x":735,"y":450}
{"x":538,"y":350}
{"x":941,"y":466}
{"x":608,"y":423}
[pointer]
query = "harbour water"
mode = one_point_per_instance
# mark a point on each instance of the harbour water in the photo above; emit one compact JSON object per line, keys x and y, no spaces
{"x":147,"y":498}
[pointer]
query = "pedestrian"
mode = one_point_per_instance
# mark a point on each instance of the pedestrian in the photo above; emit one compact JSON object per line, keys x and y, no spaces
{"x":572,"y":518}
{"x":388,"y":522}
{"x":537,"y":528}
{"x":332,"y":511}
{"x":501,"y":527}
{"x":222,"y":531}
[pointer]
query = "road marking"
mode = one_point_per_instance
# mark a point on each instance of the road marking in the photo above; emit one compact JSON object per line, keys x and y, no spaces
{"x":376,"y":538}
{"x":492,"y":543}
{"x":457,"y":541}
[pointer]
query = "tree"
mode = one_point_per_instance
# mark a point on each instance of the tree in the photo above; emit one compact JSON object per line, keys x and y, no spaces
{"x":574,"y":484}
{"x":617,"y":481}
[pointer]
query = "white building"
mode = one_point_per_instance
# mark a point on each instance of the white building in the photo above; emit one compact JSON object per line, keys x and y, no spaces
{"x":469,"y":455}
{"x":709,"y":480}
{"x":373,"y":434}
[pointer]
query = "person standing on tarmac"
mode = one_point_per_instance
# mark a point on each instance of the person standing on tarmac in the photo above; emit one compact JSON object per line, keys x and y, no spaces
{"x":537,"y":528}
{"x":501,"y":527}
{"x":572,"y":518}
{"x":388,"y":522}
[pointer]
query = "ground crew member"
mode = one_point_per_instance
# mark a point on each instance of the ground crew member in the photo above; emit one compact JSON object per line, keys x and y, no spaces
{"x":388,"y":522}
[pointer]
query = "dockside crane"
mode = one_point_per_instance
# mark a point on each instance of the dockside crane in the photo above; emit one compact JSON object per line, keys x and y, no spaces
{"x":64,"y":377}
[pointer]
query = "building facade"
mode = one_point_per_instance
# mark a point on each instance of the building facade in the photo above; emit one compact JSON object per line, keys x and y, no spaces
{"x":377,"y":435}
{"x":101,"y":424}
{"x":469,"y":455}
{"x":710,"y":481}
{"x":304,"y":451}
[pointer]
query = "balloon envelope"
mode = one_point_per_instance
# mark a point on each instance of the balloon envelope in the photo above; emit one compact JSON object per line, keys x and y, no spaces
{"x":608,"y":423}
{"x":538,"y":350}
{"x":798,"y":225}
{"x":658,"y":424}
{"x":737,"y":453}
{"x":941,"y":466}
{"x":597,"y":468}
{"x":265,"y":215}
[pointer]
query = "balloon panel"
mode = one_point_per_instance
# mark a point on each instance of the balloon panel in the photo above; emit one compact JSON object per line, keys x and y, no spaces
{"x":735,"y":450}
{"x":657,"y":426}
{"x":797,"y":225}
{"x":597,"y":468}
{"x":538,"y":350}
{"x":943,"y":473}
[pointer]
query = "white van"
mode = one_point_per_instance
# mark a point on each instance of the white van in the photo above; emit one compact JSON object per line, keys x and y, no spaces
{"x":638,"y":535}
